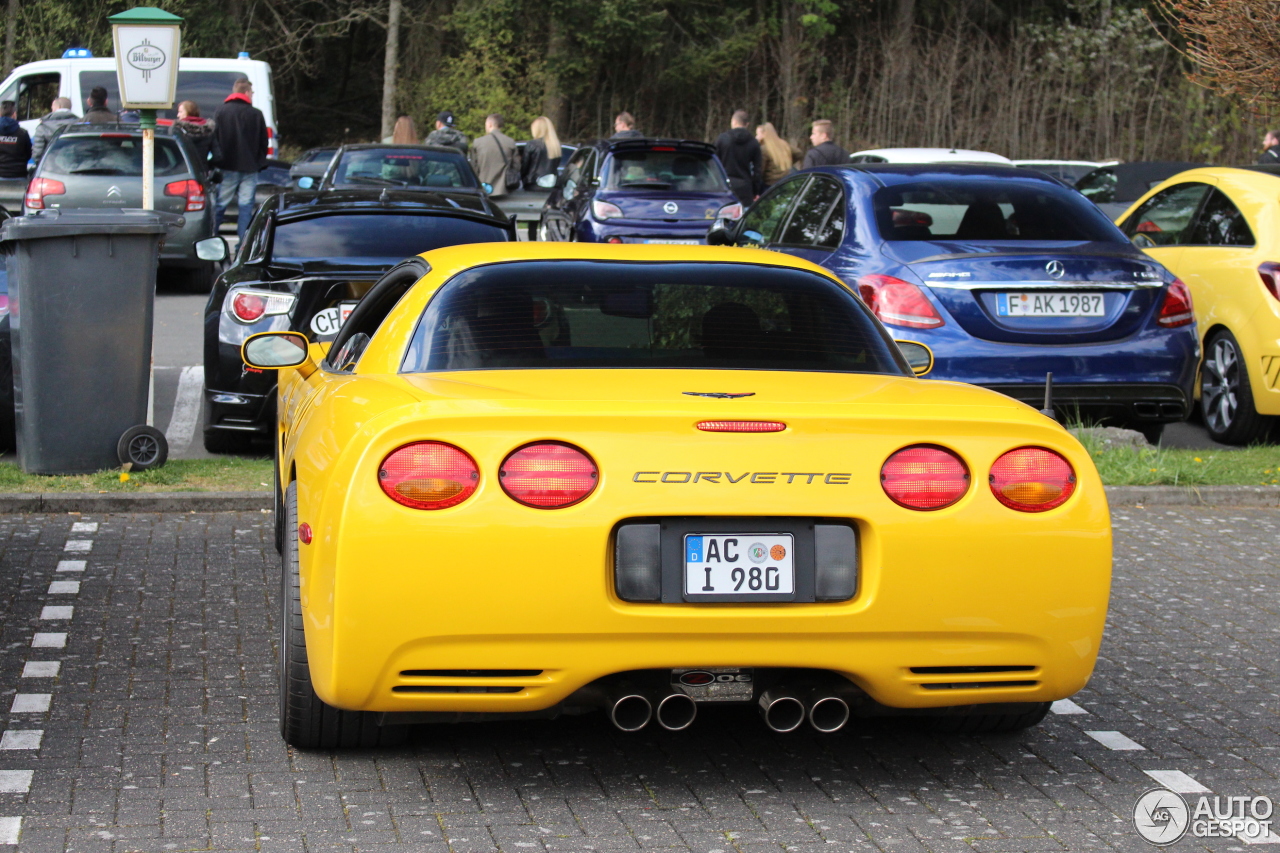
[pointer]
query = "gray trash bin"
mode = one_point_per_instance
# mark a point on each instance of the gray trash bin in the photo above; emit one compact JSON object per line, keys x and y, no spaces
{"x":81,"y":304}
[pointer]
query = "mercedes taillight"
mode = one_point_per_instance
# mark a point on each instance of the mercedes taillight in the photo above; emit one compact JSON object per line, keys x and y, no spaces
{"x":1176,"y":309}
{"x":898,"y":302}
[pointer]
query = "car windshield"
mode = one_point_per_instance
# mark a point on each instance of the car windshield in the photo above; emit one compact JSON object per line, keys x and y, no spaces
{"x":593,"y":314}
{"x":117,"y":154}
{"x":664,"y":170}
{"x":982,"y":211}
{"x":402,"y":167}
{"x":372,"y":235}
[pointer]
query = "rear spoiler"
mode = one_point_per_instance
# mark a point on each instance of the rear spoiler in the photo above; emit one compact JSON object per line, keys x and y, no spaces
{"x":693,"y":146}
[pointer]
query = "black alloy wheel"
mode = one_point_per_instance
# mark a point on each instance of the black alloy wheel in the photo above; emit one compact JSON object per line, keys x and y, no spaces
{"x":306,"y":722}
{"x":142,"y":447}
{"x":1226,"y":397}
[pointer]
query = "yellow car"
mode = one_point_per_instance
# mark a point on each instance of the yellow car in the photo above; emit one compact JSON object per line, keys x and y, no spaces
{"x":544,"y":478}
{"x":1218,"y":229}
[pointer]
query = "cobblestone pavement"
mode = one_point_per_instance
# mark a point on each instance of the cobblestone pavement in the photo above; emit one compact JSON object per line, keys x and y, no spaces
{"x":138,"y":705}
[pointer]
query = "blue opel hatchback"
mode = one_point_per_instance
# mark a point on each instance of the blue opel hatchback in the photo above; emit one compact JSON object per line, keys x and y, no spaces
{"x":1005,"y":274}
{"x":639,"y":191}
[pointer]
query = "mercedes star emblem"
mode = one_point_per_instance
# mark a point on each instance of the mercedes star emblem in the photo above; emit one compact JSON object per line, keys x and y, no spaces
{"x":1055,"y":269}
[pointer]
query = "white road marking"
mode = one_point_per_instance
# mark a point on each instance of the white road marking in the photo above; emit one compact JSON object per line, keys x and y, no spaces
{"x":85,"y":527}
{"x":186,"y":409}
{"x":1066,"y":706}
{"x":15,"y":781}
{"x":21,"y":739}
{"x":41,"y":669}
{"x":64,"y":587}
{"x":57,"y":611}
{"x":49,"y":640}
{"x":10,"y":829}
{"x":1177,"y":781}
{"x":31,"y":703}
{"x":78,"y":546}
{"x":71,"y":565}
{"x":1115,"y":740}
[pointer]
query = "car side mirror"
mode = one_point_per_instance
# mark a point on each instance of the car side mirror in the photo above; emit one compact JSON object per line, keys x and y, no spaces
{"x":918,"y":356}
{"x":720,"y":233}
{"x":306,"y":183}
{"x":487,"y":187}
{"x":1142,"y":241}
{"x":212,"y":249}
{"x":547,"y":182}
{"x":276,"y":350}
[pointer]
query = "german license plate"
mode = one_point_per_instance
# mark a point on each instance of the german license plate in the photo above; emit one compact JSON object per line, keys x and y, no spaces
{"x":739,"y":564}
{"x":1049,"y":304}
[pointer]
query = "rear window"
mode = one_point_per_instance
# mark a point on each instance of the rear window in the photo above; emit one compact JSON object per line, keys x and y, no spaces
{"x":664,"y":170}
{"x":557,"y":314}
{"x":109,"y":154}
{"x":372,"y":235}
{"x":207,"y":88}
{"x":408,"y":167}
{"x":983,"y":211}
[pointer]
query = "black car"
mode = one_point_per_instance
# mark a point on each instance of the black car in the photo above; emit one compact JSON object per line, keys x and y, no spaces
{"x":306,"y":260}
{"x":1114,"y":188}
{"x":405,"y":167}
{"x":311,"y":164}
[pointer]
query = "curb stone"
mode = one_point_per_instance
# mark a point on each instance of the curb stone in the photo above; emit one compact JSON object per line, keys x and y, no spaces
{"x":1264,"y":496}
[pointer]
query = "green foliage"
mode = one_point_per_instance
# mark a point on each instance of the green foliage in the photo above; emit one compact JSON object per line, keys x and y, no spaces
{"x":226,"y":474}
{"x":1156,"y":466}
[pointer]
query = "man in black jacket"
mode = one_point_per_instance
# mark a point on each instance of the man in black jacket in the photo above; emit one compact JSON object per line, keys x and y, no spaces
{"x":1271,"y":154}
{"x":743,"y":160}
{"x":624,"y":127}
{"x":240,"y":150}
{"x":15,"y":144}
{"x":824,"y":151}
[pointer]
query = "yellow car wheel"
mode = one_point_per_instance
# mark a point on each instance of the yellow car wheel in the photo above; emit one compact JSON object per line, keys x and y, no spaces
{"x":306,"y":722}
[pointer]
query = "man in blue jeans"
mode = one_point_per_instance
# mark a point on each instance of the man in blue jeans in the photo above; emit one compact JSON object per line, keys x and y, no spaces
{"x":240,"y":150}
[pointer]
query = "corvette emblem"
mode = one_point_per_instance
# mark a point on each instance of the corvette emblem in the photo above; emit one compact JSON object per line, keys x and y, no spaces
{"x":1055,"y":269}
{"x":719,"y":395}
{"x":670,"y":207}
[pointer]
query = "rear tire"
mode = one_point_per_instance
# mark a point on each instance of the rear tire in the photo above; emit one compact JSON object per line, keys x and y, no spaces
{"x":1022,"y":716}
{"x":1226,"y":396}
{"x":197,"y":279}
{"x":277,"y":505}
{"x":306,"y":722}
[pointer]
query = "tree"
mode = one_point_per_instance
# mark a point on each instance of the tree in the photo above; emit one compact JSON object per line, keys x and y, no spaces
{"x":390,"y":63}
{"x":1234,"y":45}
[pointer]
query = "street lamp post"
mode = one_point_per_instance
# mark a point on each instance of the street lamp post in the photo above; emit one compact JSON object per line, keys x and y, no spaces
{"x":147,"y":42}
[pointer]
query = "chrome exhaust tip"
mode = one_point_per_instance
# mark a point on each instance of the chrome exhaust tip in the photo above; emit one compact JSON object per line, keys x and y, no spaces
{"x":782,"y":710}
{"x":828,"y":714}
{"x":630,"y":712}
{"x":676,"y":712}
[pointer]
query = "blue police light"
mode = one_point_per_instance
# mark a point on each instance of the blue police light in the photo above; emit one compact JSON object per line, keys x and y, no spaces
{"x":244,"y":54}
{"x":77,"y":53}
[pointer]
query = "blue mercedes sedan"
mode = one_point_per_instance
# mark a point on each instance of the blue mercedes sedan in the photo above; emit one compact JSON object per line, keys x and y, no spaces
{"x":1007,"y":275}
{"x":639,"y":191}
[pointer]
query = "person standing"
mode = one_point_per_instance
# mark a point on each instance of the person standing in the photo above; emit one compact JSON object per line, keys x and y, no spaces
{"x":1271,"y":156}
{"x":541,"y":153}
{"x":624,"y":127}
{"x":743,"y":161}
{"x":446,"y":134}
{"x":240,"y":139}
{"x":198,"y":131}
{"x":15,"y":144}
{"x":780,"y":156}
{"x":405,"y":132}
{"x":59,"y":116}
{"x":824,"y":151}
{"x":97,"y":112}
{"x":493,"y":156}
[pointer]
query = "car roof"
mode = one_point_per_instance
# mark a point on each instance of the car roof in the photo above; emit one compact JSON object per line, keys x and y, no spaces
{"x":933,"y":155}
{"x":890,"y":174}
{"x":304,"y":205}
{"x":84,"y":128}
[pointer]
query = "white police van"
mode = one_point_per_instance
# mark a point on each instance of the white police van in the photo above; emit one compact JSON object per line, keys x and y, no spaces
{"x":32,"y":87}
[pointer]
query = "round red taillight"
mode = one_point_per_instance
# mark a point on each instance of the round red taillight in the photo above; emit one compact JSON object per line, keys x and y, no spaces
{"x":548,"y":475}
{"x":248,"y":306}
{"x":924,"y":477}
{"x":1032,"y":479}
{"x":428,"y":475}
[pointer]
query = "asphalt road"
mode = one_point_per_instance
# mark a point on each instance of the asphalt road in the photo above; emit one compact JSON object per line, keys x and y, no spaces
{"x":137,"y":667}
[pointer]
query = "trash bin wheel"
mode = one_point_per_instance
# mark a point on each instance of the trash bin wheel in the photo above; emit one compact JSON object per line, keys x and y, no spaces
{"x":142,"y":447}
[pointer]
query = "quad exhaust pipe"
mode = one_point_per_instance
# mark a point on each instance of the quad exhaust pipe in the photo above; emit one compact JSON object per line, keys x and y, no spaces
{"x":785,"y":710}
{"x":632,"y":710}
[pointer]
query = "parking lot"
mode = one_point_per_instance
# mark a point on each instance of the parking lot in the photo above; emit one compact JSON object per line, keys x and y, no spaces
{"x":139,"y":681}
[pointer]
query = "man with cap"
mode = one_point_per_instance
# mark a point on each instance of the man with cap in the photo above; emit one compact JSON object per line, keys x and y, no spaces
{"x":446,"y":134}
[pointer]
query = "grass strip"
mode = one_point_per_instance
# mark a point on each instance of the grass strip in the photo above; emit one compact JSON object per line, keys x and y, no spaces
{"x":1155,"y":466}
{"x":225,"y":474}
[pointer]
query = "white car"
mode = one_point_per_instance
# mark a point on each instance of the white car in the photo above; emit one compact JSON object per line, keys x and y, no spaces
{"x":928,"y":155}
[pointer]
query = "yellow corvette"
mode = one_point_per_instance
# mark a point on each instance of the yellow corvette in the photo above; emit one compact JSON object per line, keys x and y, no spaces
{"x":1216,"y":229}
{"x":533,"y":479}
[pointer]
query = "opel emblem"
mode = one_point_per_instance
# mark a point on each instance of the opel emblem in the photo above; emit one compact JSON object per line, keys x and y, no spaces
{"x":1055,"y":269}
{"x":670,"y":207}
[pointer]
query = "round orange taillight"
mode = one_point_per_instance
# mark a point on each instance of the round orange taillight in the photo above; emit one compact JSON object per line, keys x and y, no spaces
{"x":924,"y":477}
{"x":548,"y":475}
{"x":1032,"y":479}
{"x":428,"y":475}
